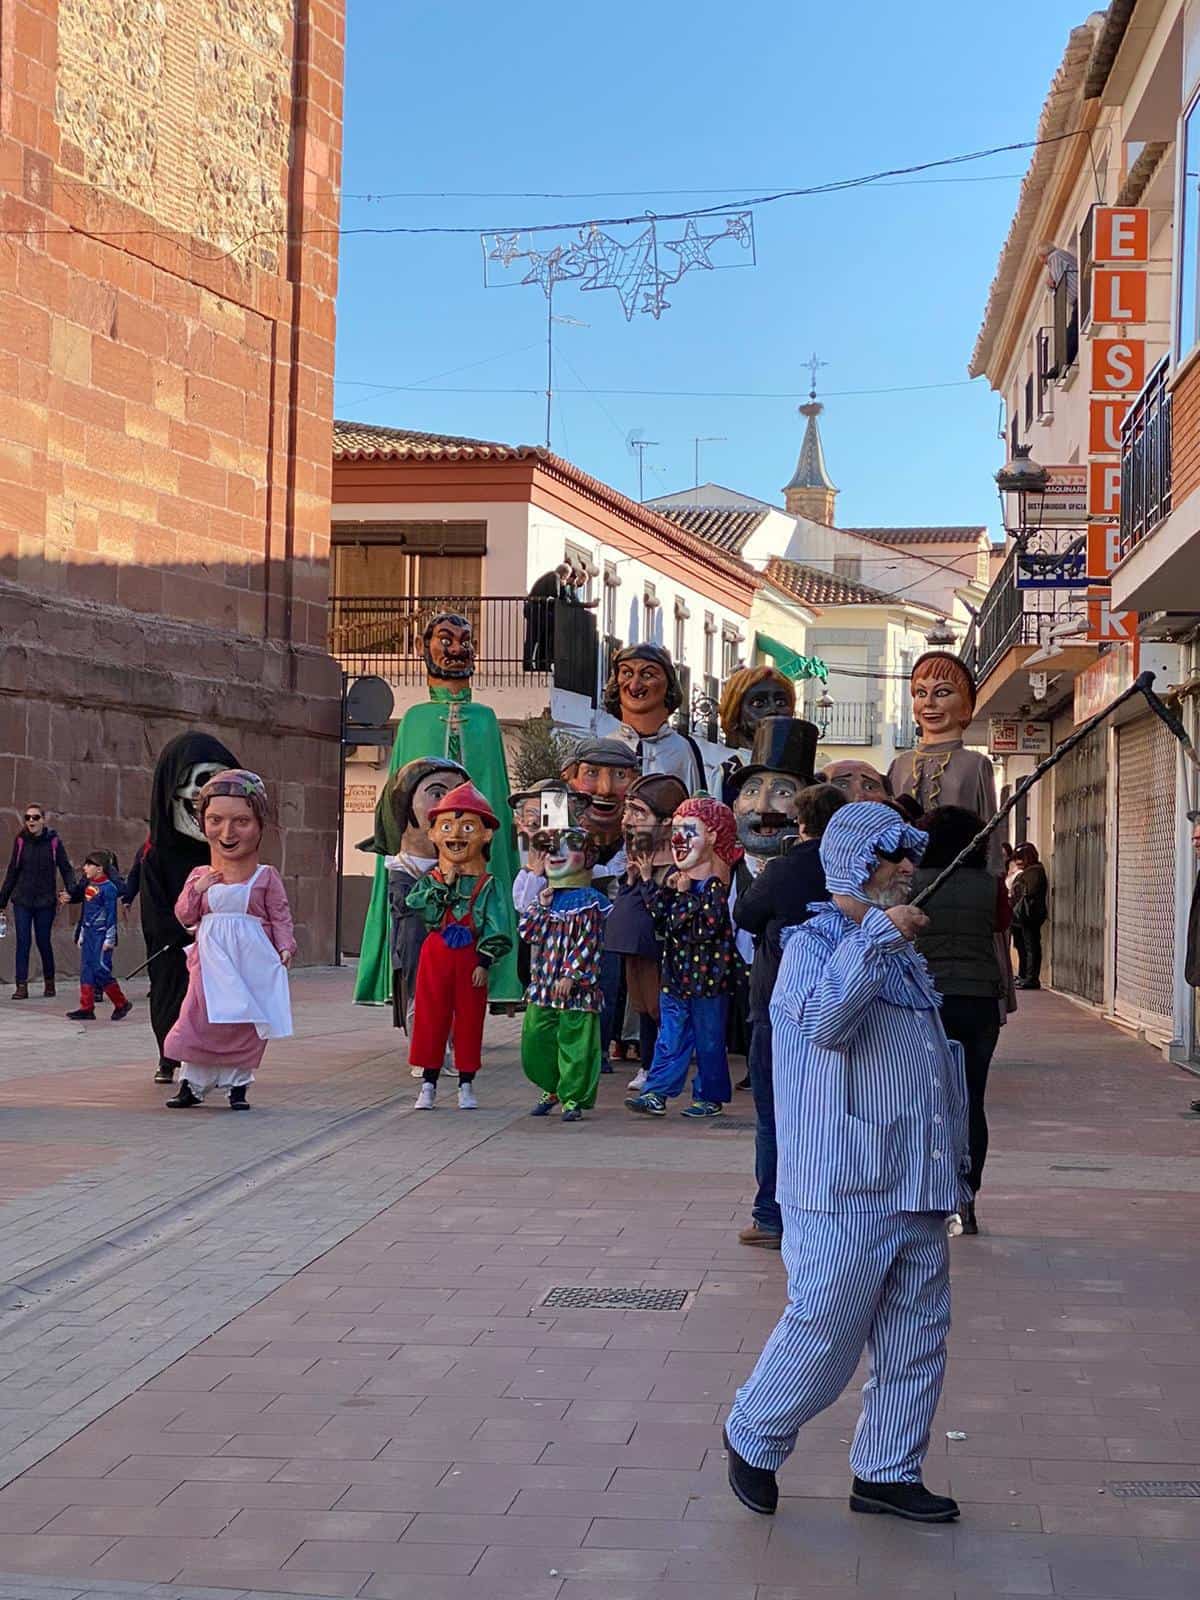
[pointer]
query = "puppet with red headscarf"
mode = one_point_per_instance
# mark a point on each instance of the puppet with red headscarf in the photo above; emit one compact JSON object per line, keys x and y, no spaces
{"x":699,"y":964}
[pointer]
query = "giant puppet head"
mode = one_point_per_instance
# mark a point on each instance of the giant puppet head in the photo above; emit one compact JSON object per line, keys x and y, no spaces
{"x":749,"y":695}
{"x":650,"y":803}
{"x":402,"y":815}
{"x":602,"y":770}
{"x":570,"y":856}
{"x":642,"y":688}
{"x":184,"y":767}
{"x":449,"y":649}
{"x":704,"y":838}
{"x":767,"y":789}
{"x":943,"y":696}
{"x":233,"y":809}
{"x":461,"y":826}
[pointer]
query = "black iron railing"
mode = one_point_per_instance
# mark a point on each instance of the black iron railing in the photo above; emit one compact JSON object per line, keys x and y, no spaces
{"x":519,"y":642}
{"x":1146,"y":461}
{"x":1010,"y":617}
{"x":846,"y":721}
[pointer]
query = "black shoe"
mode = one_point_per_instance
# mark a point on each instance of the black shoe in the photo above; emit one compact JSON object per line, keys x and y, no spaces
{"x":745,"y":1083}
{"x":166,"y":1072}
{"x":121,"y":1012}
{"x":910,"y":1500}
{"x":967,"y":1218}
{"x":237,"y":1099}
{"x":755,"y":1487}
{"x":185,"y":1098}
{"x":81,"y":1015}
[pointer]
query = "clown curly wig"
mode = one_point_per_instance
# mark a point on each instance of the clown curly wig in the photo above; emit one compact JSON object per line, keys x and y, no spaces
{"x":720,"y":822}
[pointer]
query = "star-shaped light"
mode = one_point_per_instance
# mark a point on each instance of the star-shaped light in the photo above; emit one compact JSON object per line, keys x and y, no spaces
{"x":544,"y":268}
{"x":506,"y":248}
{"x":692,"y":250}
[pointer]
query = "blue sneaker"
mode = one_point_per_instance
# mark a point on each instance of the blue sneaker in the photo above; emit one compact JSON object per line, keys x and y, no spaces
{"x":571,"y":1112}
{"x":703,"y":1108}
{"x":544,"y":1106}
{"x":648,"y":1104}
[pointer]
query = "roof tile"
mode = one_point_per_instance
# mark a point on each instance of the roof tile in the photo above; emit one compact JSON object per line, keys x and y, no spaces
{"x":822,"y":588}
{"x":948,"y":535}
{"x":727,"y":527}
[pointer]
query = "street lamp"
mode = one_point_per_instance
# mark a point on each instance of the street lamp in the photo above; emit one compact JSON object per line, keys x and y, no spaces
{"x":940,"y":634}
{"x":823,"y":707}
{"x":1023,"y":477}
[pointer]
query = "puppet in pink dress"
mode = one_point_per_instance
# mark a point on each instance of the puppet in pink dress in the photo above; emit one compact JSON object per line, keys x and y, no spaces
{"x":238,"y":911}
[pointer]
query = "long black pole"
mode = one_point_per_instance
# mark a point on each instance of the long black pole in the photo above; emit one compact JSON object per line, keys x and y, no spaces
{"x":339,"y":859}
{"x":1143,"y":684}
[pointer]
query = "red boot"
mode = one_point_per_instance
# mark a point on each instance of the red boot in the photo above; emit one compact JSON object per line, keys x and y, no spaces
{"x":87,"y":1005}
{"x":121,"y":1006}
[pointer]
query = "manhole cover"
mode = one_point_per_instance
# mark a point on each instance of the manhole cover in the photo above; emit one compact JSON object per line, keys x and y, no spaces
{"x":566,"y":1299}
{"x":1157,"y":1489}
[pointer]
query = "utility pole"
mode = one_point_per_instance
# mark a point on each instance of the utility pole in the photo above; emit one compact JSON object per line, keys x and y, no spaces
{"x":707,"y":438}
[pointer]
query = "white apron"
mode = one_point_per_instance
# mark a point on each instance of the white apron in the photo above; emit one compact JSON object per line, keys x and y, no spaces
{"x":244,"y":979}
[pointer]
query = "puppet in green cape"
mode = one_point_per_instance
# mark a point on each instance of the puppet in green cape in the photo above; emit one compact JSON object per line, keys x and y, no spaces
{"x":453,"y":726}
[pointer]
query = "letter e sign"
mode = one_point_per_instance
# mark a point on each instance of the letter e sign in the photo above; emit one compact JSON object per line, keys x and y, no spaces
{"x":1121,"y":234}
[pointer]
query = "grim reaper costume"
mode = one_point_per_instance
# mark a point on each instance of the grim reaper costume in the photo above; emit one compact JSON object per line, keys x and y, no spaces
{"x":176,"y":846}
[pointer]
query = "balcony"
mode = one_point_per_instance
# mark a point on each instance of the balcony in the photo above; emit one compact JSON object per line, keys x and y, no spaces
{"x":846,"y":721}
{"x":519,"y":643}
{"x":1146,"y":461}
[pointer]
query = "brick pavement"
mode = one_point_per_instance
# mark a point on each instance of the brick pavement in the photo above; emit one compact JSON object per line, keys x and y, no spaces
{"x":403,"y":1418}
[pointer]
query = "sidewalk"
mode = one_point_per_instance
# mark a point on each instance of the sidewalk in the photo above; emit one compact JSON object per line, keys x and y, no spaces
{"x":405,"y":1419}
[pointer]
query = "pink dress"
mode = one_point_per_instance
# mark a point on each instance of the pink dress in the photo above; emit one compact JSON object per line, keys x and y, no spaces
{"x":195,"y":1039}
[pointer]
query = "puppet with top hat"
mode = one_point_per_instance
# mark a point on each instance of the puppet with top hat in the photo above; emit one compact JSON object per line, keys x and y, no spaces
{"x":466,"y":920}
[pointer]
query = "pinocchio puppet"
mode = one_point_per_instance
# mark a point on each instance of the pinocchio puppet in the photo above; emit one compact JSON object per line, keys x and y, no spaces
{"x":461,"y":907}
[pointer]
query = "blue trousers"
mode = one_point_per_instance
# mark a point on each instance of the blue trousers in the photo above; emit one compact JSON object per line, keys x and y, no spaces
{"x":33,"y":924}
{"x":855,"y":1281}
{"x":95,"y":962}
{"x":687,"y":1028}
{"x":766,"y":1212}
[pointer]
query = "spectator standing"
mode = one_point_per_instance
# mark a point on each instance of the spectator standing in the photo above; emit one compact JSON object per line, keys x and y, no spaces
{"x":1030,"y":892}
{"x":960,"y":949}
{"x":37,"y":854}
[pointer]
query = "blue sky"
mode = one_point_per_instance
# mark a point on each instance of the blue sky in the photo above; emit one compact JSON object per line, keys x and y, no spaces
{"x":886,"y":284}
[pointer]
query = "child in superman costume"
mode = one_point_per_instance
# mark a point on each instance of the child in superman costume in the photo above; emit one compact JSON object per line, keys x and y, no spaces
{"x":463,"y":911}
{"x":564,"y":926}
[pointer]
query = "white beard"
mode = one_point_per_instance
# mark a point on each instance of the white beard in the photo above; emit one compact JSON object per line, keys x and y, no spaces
{"x":895,"y":895}
{"x":183,"y":818}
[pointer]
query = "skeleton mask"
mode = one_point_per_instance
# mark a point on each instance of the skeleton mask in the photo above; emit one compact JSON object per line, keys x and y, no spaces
{"x":183,"y":803}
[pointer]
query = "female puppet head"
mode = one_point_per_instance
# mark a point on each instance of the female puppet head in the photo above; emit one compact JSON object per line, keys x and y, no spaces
{"x":749,"y":695}
{"x":943,"y":695}
{"x":462,"y":825}
{"x":703,"y":833}
{"x":233,"y":809}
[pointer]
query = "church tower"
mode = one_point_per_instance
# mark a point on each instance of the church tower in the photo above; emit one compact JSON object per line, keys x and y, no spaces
{"x":810,"y":492}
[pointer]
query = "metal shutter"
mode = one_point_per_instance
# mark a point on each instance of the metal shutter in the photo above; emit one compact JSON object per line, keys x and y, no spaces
{"x":1077,"y":867}
{"x":1146,"y":777}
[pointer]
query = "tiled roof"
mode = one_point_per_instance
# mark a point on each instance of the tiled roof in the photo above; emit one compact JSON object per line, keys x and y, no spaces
{"x":822,"y":588}
{"x":725,"y":526}
{"x":918,"y":535}
{"x":360,"y":441}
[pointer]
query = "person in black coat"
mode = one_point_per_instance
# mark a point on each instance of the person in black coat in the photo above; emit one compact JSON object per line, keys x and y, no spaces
{"x":176,"y":845}
{"x":782,"y":895}
{"x":37,"y":854}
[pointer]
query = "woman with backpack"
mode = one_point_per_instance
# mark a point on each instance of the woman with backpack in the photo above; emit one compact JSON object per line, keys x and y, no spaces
{"x":37,"y":854}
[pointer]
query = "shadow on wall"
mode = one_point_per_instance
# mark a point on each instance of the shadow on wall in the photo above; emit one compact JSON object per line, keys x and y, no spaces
{"x":91,"y":691}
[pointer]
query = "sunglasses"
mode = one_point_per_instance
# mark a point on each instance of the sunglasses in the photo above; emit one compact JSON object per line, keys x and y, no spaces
{"x":903,"y":854}
{"x":33,"y":816}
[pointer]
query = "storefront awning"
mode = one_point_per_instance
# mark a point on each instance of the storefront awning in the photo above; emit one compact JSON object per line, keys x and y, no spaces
{"x":791,"y":664}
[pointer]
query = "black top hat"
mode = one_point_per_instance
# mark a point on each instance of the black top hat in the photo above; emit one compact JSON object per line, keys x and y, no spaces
{"x":781,"y":744}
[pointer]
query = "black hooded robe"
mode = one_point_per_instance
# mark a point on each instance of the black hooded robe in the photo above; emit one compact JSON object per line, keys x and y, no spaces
{"x":165,"y":864}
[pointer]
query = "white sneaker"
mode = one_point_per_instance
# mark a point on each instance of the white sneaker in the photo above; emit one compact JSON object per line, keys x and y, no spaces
{"x":466,"y":1097}
{"x":426,"y":1097}
{"x":416,"y":1072}
{"x":638,"y":1083}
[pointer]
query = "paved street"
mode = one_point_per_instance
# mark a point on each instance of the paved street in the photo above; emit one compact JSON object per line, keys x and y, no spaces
{"x":306,"y":1351}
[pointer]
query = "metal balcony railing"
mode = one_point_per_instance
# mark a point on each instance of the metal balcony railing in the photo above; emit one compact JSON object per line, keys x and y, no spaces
{"x":1146,"y":461}
{"x":519,"y":642}
{"x":846,"y":722}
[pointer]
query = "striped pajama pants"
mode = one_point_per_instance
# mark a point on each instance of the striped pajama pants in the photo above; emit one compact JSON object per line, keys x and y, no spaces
{"x":855,"y":1281}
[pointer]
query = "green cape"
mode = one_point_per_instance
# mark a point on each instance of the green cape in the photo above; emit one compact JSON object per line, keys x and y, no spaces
{"x":475,"y":741}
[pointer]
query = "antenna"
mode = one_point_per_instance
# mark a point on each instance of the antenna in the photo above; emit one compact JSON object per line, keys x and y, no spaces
{"x":637,"y":445}
{"x":566,"y":322}
{"x":704,"y":438}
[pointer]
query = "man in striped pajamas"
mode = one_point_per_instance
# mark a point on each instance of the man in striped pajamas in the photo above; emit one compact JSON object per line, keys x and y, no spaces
{"x":870,"y":1113}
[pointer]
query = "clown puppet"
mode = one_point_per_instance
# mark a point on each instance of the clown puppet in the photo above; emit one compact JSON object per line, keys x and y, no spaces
{"x":560,"y":1036}
{"x":749,"y":695}
{"x":467,"y":918}
{"x":453,"y":727}
{"x":691,"y":918}
{"x":642,"y":691}
{"x":941,"y":771}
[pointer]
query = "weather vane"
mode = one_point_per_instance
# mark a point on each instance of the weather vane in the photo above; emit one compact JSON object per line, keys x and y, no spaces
{"x":640,"y":268}
{"x":814,"y":365}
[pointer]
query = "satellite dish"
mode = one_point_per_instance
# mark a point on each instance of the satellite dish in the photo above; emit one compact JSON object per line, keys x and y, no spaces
{"x":369,"y":703}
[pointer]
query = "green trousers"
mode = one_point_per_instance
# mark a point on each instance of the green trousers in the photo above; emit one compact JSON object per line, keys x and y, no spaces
{"x":560,"y":1052}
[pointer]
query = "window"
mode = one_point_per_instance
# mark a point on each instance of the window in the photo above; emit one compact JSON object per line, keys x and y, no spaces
{"x":730,"y":641}
{"x":680,"y":651}
{"x":1083,"y":310}
{"x":710,"y":633}
{"x":611,"y":584}
{"x":376,"y":560}
{"x":848,"y":567}
{"x":1029,"y":402}
{"x":1046,"y":372}
{"x":652,"y":614}
{"x":582,"y":562}
{"x":1187,"y":311}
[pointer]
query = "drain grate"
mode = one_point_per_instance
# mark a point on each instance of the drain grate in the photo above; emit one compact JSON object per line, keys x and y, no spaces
{"x":1157,"y":1489}
{"x":592,"y":1299}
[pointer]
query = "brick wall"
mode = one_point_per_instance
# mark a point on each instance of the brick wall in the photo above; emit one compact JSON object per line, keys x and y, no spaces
{"x":1185,"y":436}
{"x":168,"y":191}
